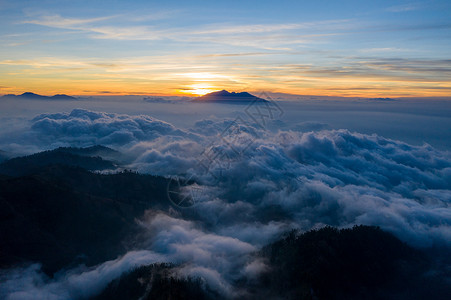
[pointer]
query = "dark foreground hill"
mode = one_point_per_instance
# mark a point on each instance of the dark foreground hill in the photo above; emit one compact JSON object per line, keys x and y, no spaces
{"x":362,"y":262}
{"x":61,"y":214}
{"x":359,"y":263}
{"x":155,"y":282}
{"x":97,"y":150}
{"x":91,"y":159}
{"x":3,"y":156}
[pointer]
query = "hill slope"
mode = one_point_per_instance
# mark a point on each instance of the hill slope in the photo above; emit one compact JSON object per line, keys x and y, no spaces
{"x":86,"y":158}
{"x":53,"y":210}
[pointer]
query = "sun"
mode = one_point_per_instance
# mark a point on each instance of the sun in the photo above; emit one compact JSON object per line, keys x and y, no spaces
{"x":201,"y":83}
{"x":201,"y":92}
{"x":198,"y":89}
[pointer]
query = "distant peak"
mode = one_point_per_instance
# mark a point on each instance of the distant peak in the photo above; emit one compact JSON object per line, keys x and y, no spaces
{"x":222,"y":93}
{"x":62,"y":96}
{"x":225,"y":96}
{"x":30,"y":95}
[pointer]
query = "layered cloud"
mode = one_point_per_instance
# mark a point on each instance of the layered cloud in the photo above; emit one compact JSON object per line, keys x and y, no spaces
{"x":254,"y":184}
{"x":87,"y":127}
{"x":306,"y":178}
{"x":334,"y":177}
{"x":31,"y":283}
{"x":217,"y":259}
{"x":340,"y":178}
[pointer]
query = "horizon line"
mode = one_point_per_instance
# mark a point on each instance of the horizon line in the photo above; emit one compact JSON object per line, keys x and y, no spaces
{"x":259,"y":94}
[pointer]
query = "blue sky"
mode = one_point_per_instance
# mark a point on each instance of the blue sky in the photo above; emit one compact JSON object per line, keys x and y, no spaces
{"x":346,"y":48}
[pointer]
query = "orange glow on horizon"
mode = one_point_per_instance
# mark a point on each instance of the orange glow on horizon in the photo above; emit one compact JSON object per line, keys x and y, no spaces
{"x":362,"y":87}
{"x":198,"y":89}
{"x":191,"y":77}
{"x":200,"y":92}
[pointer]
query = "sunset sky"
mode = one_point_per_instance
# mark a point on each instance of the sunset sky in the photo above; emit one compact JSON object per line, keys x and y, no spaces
{"x":335,"y":48}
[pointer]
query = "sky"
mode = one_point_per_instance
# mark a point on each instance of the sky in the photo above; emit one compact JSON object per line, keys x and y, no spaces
{"x":334,"y":48}
{"x":314,"y":161}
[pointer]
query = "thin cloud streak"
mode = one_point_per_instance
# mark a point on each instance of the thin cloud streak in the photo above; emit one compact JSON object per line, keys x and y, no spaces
{"x":57,"y":21}
{"x":405,"y":7}
{"x":206,"y":34}
{"x":100,"y":32}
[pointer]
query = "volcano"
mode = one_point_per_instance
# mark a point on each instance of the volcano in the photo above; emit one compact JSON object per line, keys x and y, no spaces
{"x":229,"y":97}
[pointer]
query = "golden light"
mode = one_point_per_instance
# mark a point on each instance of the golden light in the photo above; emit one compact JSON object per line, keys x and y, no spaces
{"x":202,"y":82}
{"x":198,"y":89}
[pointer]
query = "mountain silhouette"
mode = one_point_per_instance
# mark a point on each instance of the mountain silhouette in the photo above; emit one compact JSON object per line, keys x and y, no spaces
{"x":62,"y":97}
{"x":33,"y":96}
{"x":227,"y":97}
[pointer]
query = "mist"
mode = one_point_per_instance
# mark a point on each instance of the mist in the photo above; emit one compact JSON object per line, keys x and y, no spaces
{"x":259,"y":172}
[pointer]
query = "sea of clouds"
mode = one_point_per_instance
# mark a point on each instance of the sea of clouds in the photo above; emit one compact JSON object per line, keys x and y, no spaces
{"x":256,"y":178}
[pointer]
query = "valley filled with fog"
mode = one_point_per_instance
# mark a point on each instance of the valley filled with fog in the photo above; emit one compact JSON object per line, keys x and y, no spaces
{"x":229,"y":180}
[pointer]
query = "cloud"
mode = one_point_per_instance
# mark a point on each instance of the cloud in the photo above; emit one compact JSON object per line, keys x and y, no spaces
{"x":333,"y":177}
{"x":236,"y":54}
{"x":141,"y":68}
{"x":257,"y":28}
{"x":213,"y":257}
{"x":374,"y":69}
{"x":88,"y":128}
{"x":101,"y":32}
{"x":312,"y":176}
{"x":301,"y":178}
{"x":31,"y":283}
{"x":405,"y":7}
{"x":128,"y":33}
{"x":66,"y":23}
{"x":386,"y":49}
{"x":265,"y":36}
{"x":310,"y":126}
{"x":165,"y":155}
{"x":265,"y":28}
{"x":253,"y":192}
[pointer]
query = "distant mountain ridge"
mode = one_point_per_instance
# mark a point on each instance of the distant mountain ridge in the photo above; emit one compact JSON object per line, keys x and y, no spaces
{"x":33,"y":96}
{"x":229,"y":97}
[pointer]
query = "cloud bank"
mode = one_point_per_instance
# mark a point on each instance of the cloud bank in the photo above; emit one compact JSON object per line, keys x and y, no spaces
{"x":255,"y":185}
{"x":86,"y":127}
{"x":30,"y":283}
